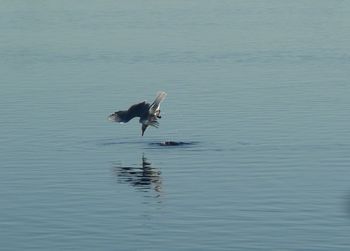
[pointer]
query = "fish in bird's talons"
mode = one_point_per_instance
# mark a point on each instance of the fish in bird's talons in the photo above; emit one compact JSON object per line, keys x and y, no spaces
{"x":148,"y":113}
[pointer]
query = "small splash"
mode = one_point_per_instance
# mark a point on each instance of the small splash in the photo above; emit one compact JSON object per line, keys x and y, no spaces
{"x":173,"y":143}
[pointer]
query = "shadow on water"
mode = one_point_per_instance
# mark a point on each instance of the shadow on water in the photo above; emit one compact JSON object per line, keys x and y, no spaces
{"x":143,"y":177}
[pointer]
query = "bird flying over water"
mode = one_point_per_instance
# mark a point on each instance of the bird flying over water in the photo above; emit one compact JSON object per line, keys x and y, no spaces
{"x":148,"y":113}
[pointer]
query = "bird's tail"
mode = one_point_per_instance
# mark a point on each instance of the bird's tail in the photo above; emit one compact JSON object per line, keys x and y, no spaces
{"x":155,"y":105}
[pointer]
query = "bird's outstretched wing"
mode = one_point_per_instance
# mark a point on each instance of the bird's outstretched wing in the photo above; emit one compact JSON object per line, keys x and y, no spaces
{"x":155,"y":106}
{"x":136,"y":110}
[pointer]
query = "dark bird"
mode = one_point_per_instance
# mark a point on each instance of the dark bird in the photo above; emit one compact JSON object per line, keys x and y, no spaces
{"x":148,"y":113}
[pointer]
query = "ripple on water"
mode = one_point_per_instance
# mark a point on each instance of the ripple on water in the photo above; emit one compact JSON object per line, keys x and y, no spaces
{"x":174,"y":143}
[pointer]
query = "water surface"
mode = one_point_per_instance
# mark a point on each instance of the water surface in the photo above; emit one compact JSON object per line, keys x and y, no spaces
{"x":259,"y":90}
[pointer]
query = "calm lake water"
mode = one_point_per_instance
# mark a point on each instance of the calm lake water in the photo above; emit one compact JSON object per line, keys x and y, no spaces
{"x":259,"y":90}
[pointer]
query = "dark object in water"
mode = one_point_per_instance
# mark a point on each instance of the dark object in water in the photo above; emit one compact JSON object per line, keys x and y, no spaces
{"x":148,"y":113}
{"x":174,"y":143}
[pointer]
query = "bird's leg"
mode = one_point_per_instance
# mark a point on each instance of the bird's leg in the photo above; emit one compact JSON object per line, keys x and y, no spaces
{"x":154,"y":123}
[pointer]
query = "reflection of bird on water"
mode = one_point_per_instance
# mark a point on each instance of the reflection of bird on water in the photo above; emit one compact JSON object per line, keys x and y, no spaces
{"x":145,"y":177}
{"x":148,"y":113}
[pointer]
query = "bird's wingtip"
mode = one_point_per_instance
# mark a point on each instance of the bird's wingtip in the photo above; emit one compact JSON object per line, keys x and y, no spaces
{"x":143,"y":129}
{"x":161,"y":94}
{"x":114,"y":117}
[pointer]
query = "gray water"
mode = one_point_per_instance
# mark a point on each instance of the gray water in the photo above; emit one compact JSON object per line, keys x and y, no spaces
{"x":258,"y":89}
